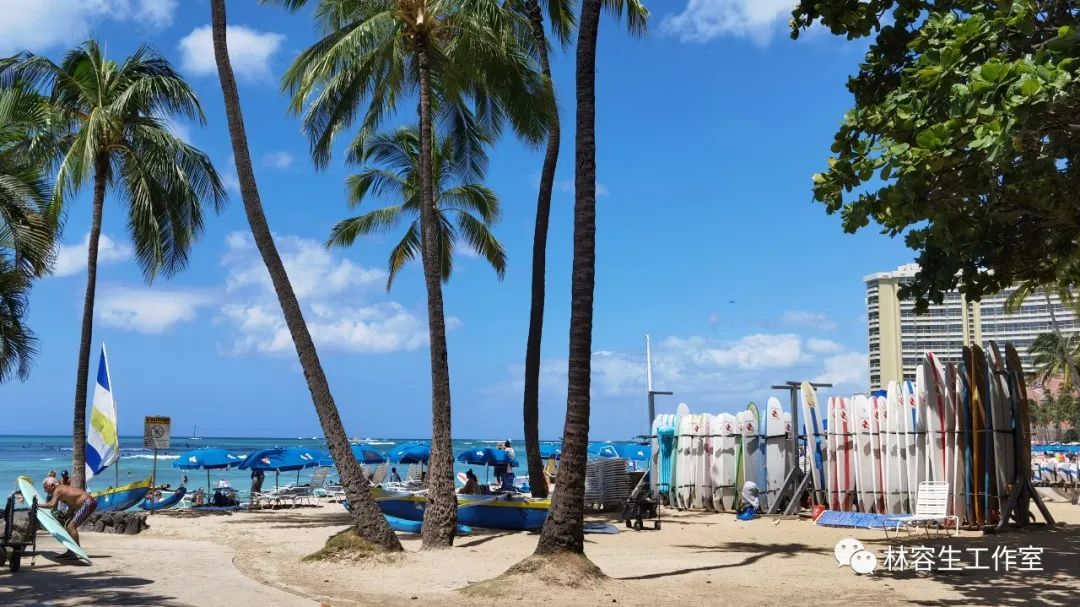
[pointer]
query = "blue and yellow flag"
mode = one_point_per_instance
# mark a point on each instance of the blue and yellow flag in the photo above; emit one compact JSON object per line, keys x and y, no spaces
{"x":102,"y":444}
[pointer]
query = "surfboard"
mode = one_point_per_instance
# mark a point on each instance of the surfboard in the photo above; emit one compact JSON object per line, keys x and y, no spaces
{"x":703,"y":484}
{"x":724,"y":463}
{"x":1020,"y":405}
{"x":775,"y":436}
{"x":979,"y":444}
{"x":966,"y":434}
{"x":915,"y":440}
{"x":681,"y":411}
{"x":932,"y":409}
{"x":878,"y":423}
{"x":665,"y":432}
{"x":953,"y":454}
{"x":815,"y":440}
{"x":896,"y":466}
{"x":740,"y":457}
{"x":755,"y":448}
{"x":684,"y":472}
{"x":864,"y":454}
{"x":654,"y":456}
{"x":47,"y":520}
{"x":833,"y":479}
{"x":845,"y":454}
{"x":1004,"y":470}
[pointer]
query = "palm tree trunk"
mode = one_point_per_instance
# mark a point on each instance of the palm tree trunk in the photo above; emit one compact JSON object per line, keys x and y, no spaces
{"x":78,"y":433}
{"x":537,"y":478}
{"x":1053,"y":315}
{"x":563,"y":531}
{"x":369,"y":520}
{"x":440,"y":516}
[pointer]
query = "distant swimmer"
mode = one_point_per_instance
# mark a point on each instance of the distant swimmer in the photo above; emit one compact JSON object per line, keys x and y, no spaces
{"x":78,"y":501}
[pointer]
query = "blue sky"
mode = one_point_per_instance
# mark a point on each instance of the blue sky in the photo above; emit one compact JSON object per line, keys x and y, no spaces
{"x":708,"y":131}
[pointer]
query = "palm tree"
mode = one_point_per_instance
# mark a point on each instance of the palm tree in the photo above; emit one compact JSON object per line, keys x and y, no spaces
{"x":1064,"y":294}
{"x":27,"y":226}
{"x":475,"y":206}
{"x":470,"y":70}
{"x":564,"y":529}
{"x":368,"y":519}
{"x":561,"y":15}
{"x":1056,"y":355}
{"x":115,"y":136}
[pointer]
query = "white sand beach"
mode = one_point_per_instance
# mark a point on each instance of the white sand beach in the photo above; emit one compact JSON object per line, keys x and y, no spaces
{"x":252,"y":558}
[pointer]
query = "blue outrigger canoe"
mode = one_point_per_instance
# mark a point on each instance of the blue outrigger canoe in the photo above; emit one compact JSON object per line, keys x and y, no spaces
{"x":165,"y":502}
{"x":503,"y":511}
{"x":119,"y":499}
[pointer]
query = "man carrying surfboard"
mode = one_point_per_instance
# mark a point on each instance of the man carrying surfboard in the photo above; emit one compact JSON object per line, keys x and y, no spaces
{"x":78,"y":501}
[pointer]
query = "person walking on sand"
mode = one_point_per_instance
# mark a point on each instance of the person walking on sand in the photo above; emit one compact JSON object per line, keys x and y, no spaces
{"x":77,"y":500}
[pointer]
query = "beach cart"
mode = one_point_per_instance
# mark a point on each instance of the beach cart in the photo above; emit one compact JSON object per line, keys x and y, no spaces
{"x":641,"y":506}
{"x":20,"y":531}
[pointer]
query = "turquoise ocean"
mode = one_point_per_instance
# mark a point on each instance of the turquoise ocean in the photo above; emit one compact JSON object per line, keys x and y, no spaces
{"x":35,"y":456}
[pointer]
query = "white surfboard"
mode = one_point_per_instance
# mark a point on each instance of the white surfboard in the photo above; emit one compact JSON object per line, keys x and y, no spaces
{"x":775,"y":464}
{"x":830,"y":455}
{"x":724,"y":464}
{"x":685,"y":472}
{"x":896,"y":466}
{"x":878,"y":425}
{"x":683,"y":410}
{"x":936,"y":393}
{"x":864,"y":453}
{"x":703,"y":485}
{"x":46,"y":519}
{"x":845,"y":456}
{"x":913,"y":461}
{"x":654,"y":456}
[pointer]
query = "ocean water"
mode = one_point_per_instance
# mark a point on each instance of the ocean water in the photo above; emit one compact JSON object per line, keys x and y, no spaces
{"x":35,"y":456}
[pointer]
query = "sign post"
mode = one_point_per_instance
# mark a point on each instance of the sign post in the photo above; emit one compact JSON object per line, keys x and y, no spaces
{"x":156,"y":435}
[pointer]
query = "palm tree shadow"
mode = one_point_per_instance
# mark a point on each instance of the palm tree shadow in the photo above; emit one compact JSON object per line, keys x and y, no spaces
{"x":483,"y":539}
{"x":755,"y":552}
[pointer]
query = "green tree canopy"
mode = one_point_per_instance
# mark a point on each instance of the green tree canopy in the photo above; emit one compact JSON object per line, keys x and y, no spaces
{"x":964,"y":137}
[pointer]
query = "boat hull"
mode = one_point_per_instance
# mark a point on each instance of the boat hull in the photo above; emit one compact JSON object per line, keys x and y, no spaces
{"x":514,"y":514}
{"x":165,"y":502}
{"x":121,"y":498}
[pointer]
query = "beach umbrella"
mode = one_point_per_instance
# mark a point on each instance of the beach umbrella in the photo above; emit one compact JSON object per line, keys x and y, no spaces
{"x":367,"y":455}
{"x":634,"y":452}
{"x":487,"y":457}
{"x":207,"y":459}
{"x":550,"y":452}
{"x":411,"y":453}
{"x":283,"y":459}
{"x":605,"y":451}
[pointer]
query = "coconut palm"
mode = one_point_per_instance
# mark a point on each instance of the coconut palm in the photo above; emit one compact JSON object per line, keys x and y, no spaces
{"x":1056,"y":355}
{"x":367,"y":518}
{"x":470,"y":69}
{"x":1064,"y":294}
{"x":114,"y":135}
{"x":27,"y":227}
{"x":561,"y":15}
{"x":564,"y":529}
{"x":464,"y":209}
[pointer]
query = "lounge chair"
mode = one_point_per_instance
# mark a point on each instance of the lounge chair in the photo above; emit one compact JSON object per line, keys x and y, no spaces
{"x":931,"y":506}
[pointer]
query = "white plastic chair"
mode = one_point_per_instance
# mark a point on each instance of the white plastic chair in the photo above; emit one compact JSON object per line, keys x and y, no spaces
{"x":931,"y":506}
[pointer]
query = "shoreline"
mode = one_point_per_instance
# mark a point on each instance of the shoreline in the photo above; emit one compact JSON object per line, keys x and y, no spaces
{"x":254,"y":557}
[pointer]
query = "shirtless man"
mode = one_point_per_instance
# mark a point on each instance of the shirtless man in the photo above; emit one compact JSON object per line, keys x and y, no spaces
{"x":78,"y":501}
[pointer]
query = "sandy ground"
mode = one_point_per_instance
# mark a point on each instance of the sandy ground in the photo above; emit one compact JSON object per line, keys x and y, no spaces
{"x":253,"y":559}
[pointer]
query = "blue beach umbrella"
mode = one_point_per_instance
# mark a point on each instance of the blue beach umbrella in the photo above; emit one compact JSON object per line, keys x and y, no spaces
{"x":411,"y":453}
{"x":207,"y":459}
{"x":487,"y":457}
{"x":605,"y":451}
{"x":634,"y":452}
{"x":283,"y":459}
{"x":367,"y":455}
{"x":550,"y":452}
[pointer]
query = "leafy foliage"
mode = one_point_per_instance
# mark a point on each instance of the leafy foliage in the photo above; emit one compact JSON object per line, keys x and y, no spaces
{"x":465,"y":208}
{"x":963,"y":138}
{"x":1056,"y":355}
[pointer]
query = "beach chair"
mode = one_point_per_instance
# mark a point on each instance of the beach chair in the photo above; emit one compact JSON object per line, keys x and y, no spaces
{"x":931,"y":506}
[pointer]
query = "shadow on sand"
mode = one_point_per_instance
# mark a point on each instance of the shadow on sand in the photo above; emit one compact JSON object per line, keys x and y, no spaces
{"x":33,"y":586}
{"x":753,"y":553}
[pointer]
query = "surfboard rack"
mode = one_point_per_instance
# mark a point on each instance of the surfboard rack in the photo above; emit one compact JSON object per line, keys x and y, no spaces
{"x":797,"y":482}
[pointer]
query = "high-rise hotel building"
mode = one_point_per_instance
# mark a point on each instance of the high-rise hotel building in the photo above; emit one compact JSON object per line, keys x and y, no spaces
{"x":898,"y":337}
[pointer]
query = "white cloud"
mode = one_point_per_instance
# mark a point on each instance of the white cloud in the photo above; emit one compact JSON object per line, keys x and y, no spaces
{"x":816,"y":320}
{"x":336,"y":295}
{"x":313,"y":270}
{"x":753,"y":352}
{"x":147,"y":310}
{"x":278,"y":160}
{"x":851,"y":369}
{"x":229,"y":179}
{"x":38,"y":25}
{"x":71,"y":259}
{"x":249,"y":50}
{"x":823,"y":346}
{"x":704,"y":20}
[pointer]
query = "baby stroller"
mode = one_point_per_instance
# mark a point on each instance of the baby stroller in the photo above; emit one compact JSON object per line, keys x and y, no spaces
{"x":641,"y":506}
